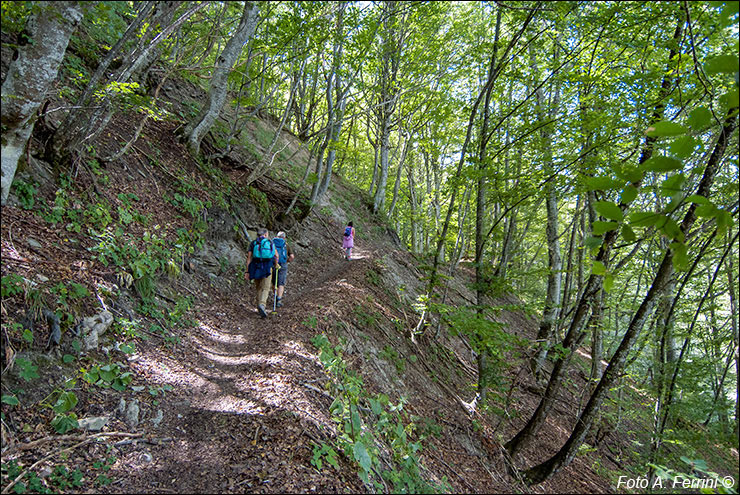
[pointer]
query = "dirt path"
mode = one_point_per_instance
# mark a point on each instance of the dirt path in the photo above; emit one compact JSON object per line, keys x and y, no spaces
{"x":247,"y":405}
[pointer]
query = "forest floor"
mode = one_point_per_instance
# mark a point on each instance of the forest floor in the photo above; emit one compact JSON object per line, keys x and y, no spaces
{"x":242,"y":400}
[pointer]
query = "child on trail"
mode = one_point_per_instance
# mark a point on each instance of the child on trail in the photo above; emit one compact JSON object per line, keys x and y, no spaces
{"x":261,"y":259}
{"x":285,"y":256}
{"x":349,"y":240}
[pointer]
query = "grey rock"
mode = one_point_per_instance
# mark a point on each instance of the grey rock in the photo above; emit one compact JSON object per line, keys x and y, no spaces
{"x":121,"y":410}
{"x":94,"y":423}
{"x":34,"y":243}
{"x":132,"y":414}
{"x":157,"y":419}
{"x":91,"y":328}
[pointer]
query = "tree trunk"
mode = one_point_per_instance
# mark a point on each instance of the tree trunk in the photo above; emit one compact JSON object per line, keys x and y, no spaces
{"x":388,"y":95}
{"x":198,"y":128}
{"x":399,"y":172}
{"x":551,"y":312}
{"x":30,"y":76}
{"x":657,"y":290}
{"x":593,"y":284}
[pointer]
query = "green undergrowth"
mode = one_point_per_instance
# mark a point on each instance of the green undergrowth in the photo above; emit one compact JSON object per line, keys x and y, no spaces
{"x":380,"y":438}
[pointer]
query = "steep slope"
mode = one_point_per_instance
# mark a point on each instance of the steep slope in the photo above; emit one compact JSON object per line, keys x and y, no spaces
{"x":220,"y":400}
{"x":227,"y":401}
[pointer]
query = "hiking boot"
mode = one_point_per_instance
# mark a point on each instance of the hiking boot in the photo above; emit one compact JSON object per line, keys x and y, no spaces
{"x":261,"y":311}
{"x":279,"y":302}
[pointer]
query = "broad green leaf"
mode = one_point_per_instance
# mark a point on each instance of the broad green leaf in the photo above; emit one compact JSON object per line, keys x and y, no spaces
{"x":361,"y":456}
{"x":628,"y":234}
{"x":661,"y":164}
{"x":375,"y":406}
{"x":699,"y":118}
{"x":65,"y":402}
{"x":593,"y":242}
{"x":726,"y":64}
{"x":600,"y":228}
{"x":665,"y":128}
{"x":599,"y":268}
{"x":63,"y":423}
{"x":608,"y":282}
{"x":11,"y":400}
{"x":729,"y":100}
{"x":127,"y":348}
{"x":643,"y":218}
{"x":683,"y":147}
{"x":672,"y":230}
{"x":695,"y":198}
{"x":602,"y":183}
{"x":609,"y":210}
{"x":672,"y":185}
{"x":627,"y":173}
{"x":629,"y":193}
{"x":724,"y":221}
{"x":680,"y":256}
{"x":68,"y":358}
{"x":706,"y":210}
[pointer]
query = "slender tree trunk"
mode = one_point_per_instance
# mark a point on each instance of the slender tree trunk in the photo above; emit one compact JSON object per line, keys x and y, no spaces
{"x":198,"y":128}
{"x":593,"y":284}
{"x":337,"y":108}
{"x":399,"y":172}
{"x":30,"y":76}
{"x":389,"y":93}
{"x":657,"y":290}
{"x":732,"y":284}
{"x":548,"y":325}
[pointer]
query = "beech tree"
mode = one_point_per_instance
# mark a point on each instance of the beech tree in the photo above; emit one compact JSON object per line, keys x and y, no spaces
{"x":201,"y":124}
{"x":30,"y":76}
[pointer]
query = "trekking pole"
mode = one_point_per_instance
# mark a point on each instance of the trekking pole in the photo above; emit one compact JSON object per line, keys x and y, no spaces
{"x":274,"y":294}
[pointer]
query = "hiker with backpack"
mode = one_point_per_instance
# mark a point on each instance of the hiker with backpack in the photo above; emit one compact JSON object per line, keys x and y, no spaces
{"x":285,"y":256}
{"x":349,"y":240}
{"x":261,"y":259}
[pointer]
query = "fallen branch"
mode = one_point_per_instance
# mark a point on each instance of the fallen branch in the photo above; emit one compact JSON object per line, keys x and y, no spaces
{"x":87,"y":440}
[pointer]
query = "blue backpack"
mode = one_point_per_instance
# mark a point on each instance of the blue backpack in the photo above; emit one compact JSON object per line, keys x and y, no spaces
{"x":348,"y":232}
{"x":262,"y":249}
{"x":282,"y":249}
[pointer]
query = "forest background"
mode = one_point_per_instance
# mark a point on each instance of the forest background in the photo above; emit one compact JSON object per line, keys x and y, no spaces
{"x":581,"y":155}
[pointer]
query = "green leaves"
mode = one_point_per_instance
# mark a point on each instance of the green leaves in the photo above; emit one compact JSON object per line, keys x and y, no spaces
{"x":665,"y":128}
{"x":699,"y":118}
{"x":629,"y":193}
{"x":661,"y":164}
{"x":63,"y":423}
{"x":602,"y":183}
{"x":722,"y":64}
{"x":27,"y":371}
{"x":600,"y":228}
{"x":66,"y":402}
{"x":609,"y":210}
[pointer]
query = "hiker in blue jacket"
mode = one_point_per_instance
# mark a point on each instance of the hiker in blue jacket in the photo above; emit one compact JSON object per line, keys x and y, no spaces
{"x":285,"y":256}
{"x":261,"y":259}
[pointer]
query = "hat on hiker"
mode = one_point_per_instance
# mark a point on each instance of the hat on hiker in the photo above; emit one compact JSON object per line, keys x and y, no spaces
{"x":281,"y":234}
{"x":262,"y":231}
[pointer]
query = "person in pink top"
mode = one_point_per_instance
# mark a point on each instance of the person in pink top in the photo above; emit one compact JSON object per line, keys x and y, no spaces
{"x":349,"y":241}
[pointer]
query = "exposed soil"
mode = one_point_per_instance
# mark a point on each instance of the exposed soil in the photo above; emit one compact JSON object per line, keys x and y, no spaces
{"x":248,"y":402}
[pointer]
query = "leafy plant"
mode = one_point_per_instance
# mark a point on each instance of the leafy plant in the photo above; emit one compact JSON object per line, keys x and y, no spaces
{"x":108,"y":376}
{"x":27,"y":370}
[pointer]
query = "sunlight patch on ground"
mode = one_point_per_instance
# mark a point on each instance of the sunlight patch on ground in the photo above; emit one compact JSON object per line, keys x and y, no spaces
{"x":276,"y":390}
{"x":298,"y":349}
{"x":231,"y":404}
{"x":237,"y":359}
{"x":222,"y":337}
{"x":161,"y":370}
